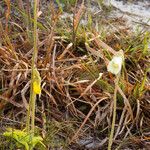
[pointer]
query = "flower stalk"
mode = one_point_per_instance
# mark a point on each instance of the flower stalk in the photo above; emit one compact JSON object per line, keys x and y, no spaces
{"x":31,"y":109}
{"x":114,"y":114}
{"x":114,"y":67}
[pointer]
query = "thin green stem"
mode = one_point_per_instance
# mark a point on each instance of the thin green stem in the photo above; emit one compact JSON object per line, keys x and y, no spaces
{"x":31,"y":109}
{"x":34,"y":60}
{"x":33,"y":113}
{"x":114,"y":114}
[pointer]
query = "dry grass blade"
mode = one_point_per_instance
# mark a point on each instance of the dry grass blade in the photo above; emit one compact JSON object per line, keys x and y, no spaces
{"x":50,"y":96}
{"x":9,"y":100}
{"x":7,"y":15}
{"x":90,"y":86}
{"x":120,"y":123}
{"x":94,"y":52}
{"x":50,"y":40}
{"x":23,"y":92}
{"x":7,"y":42}
{"x":65,"y":51}
{"x":126,"y":102}
{"x":86,"y":118}
{"x":103,"y":45}
{"x":77,"y":17}
{"x":20,"y":4}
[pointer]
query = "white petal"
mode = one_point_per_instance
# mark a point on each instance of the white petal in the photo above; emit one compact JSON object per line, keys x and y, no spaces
{"x":115,"y":64}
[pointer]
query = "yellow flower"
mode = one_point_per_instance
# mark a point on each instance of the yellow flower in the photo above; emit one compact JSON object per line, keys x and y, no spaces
{"x":36,"y":87}
{"x":36,"y":82}
{"x":115,"y":64}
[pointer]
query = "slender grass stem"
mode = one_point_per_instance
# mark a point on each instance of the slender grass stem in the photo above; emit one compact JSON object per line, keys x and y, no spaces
{"x":114,"y":114}
{"x":34,"y":60}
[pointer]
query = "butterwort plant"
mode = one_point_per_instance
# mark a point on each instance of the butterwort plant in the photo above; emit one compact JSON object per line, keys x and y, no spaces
{"x":115,"y":66}
{"x":22,"y":139}
{"x":26,"y":138}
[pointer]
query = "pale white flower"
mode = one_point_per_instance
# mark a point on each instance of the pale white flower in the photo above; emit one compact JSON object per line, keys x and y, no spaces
{"x":100,"y":75}
{"x":115,"y":64}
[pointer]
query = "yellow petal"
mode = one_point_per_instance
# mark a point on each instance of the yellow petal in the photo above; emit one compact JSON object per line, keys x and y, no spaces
{"x":36,"y":87}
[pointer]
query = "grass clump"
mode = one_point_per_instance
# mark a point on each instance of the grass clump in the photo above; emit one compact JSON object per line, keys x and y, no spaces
{"x":72,"y":94}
